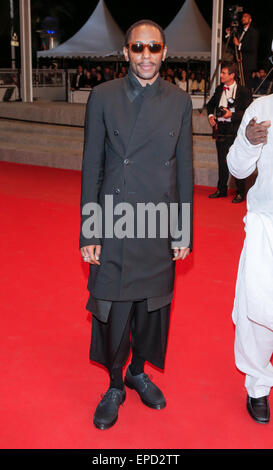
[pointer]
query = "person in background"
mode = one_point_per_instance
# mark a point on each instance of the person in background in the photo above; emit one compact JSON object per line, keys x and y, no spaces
{"x":198,"y":85}
{"x":263,"y":82}
{"x":124,"y":70}
{"x":225,"y":111}
{"x":181,"y":80}
{"x":247,"y":43}
{"x":93,"y":76}
{"x":99,"y":78}
{"x":191,"y":80}
{"x":78,"y":80}
{"x":169,"y":78}
{"x":89,"y":82}
{"x":107,"y":74}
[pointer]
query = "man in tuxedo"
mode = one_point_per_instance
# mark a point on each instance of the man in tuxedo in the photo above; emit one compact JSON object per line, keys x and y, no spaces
{"x":225,"y":111}
{"x":79,"y":79}
{"x":247,"y":44}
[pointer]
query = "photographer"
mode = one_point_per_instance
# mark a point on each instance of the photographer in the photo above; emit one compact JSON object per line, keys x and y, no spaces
{"x":245,"y":41}
{"x":229,"y":102}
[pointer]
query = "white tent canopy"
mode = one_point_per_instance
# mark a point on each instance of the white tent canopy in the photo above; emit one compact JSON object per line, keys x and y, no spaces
{"x":100,"y":37}
{"x":188,"y":36}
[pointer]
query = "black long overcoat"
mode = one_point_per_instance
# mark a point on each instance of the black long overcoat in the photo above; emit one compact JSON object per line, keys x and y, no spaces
{"x":135,"y":157}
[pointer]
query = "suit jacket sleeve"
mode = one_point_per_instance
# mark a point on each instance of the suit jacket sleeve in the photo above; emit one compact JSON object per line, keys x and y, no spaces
{"x":213,"y":102}
{"x":184,"y":159}
{"x":92,"y":164}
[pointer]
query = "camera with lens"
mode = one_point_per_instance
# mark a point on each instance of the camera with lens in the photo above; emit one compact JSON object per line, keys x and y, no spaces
{"x":233,"y":12}
{"x":220,"y":111}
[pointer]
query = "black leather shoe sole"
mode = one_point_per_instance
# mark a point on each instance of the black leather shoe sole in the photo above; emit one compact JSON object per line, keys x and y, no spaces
{"x":253,"y":415}
{"x":105,"y":426}
{"x":147,"y":403}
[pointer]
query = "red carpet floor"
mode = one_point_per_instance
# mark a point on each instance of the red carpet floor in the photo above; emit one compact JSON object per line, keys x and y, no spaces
{"x":49,"y":388}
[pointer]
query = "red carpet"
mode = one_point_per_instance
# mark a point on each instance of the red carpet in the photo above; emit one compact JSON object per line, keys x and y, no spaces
{"x":49,"y":388}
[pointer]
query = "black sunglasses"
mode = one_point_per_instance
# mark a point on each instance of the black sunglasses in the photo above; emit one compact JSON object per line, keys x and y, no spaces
{"x":138,"y":47}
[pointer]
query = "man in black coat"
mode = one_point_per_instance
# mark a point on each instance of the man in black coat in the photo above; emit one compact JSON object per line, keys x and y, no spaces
{"x":225,"y":111}
{"x":247,"y":44}
{"x":137,"y":152}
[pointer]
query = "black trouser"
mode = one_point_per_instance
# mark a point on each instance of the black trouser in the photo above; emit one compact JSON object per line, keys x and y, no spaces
{"x":248,"y":75}
{"x":130,"y":324}
{"x":223,"y":145}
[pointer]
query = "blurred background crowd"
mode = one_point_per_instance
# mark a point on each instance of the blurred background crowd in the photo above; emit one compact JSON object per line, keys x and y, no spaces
{"x":190,"y":79}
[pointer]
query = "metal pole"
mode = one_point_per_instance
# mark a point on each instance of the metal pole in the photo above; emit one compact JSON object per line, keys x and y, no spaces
{"x":216,"y":43}
{"x":13,"y":61}
{"x":26,"y":51}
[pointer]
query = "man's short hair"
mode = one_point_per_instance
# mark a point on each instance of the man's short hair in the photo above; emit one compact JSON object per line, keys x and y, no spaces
{"x":231,"y":66}
{"x":141,"y":22}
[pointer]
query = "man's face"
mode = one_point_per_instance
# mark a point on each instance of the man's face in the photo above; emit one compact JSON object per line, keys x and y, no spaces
{"x":246,"y":19}
{"x":262,"y":73}
{"x":79,"y":68}
{"x":145,"y":65}
{"x":226,"y":77}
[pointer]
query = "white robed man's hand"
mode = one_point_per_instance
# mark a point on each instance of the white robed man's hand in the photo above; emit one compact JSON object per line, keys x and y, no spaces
{"x":256,"y":133}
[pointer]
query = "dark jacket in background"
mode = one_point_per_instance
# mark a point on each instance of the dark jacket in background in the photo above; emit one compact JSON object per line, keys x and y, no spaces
{"x":81,"y":83}
{"x":249,"y":50}
{"x":242,"y":100}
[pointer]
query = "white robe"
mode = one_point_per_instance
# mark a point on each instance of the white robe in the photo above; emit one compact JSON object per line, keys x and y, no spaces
{"x":253,"y":304}
{"x":254,"y":287}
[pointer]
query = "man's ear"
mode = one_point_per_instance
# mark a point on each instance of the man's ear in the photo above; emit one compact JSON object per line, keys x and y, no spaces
{"x":164,"y":53}
{"x":125,"y":53}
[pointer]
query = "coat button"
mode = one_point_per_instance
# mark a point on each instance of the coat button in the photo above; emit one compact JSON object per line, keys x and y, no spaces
{"x":116,"y":132}
{"x":117,"y":190}
{"x":167,"y":163}
{"x":126,"y":161}
{"x":172,"y":133}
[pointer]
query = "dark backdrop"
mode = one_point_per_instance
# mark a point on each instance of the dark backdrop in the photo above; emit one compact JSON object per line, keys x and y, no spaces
{"x":73,"y":14}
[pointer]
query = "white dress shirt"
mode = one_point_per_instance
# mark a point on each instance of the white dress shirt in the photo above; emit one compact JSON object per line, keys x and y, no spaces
{"x":228,"y":93}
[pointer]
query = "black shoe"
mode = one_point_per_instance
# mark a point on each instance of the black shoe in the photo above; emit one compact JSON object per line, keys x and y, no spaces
{"x":258,"y":409}
{"x":106,"y":413}
{"x":217,"y":193}
{"x":147,"y":390}
{"x":238,"y":198}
